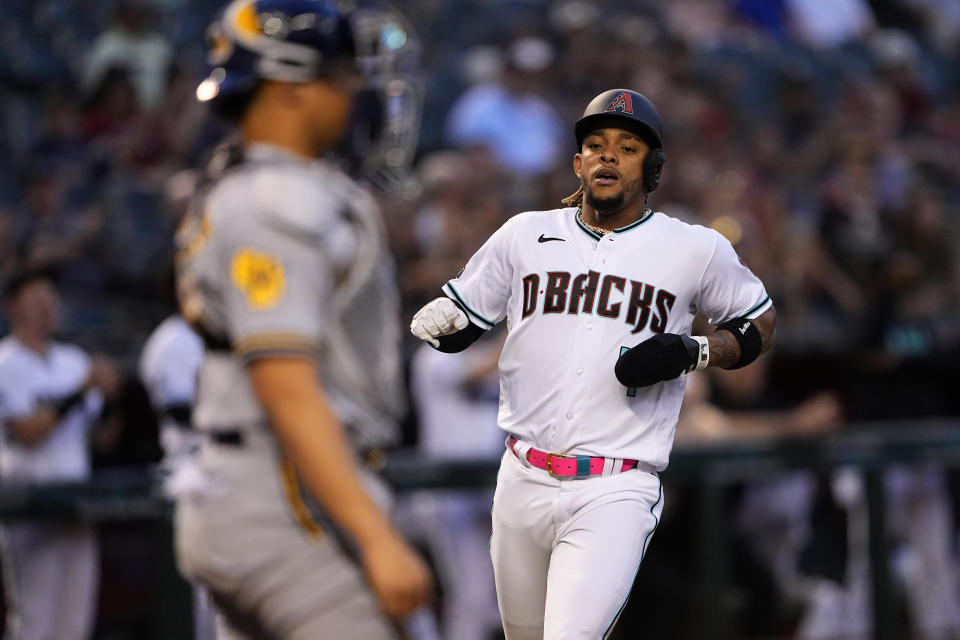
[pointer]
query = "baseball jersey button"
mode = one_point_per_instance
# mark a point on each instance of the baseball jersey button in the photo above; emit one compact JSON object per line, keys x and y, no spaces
{"x":569,"y":415}
{"x":579,"y":372}
{"x":589,"y":327}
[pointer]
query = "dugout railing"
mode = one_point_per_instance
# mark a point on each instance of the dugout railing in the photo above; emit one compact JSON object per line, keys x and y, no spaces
{"x":126,"y":495}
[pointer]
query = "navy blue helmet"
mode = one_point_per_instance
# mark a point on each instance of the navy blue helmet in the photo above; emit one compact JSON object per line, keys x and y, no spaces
{"x":626,"y":109}
{"x":288,"y":40}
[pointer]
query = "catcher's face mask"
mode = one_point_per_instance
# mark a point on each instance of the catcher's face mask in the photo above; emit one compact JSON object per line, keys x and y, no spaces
{"x":381,"y":139}
{"x":302,"y":40}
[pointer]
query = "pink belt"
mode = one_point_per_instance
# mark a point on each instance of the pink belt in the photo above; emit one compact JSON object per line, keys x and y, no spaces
{"x":566,"y":466}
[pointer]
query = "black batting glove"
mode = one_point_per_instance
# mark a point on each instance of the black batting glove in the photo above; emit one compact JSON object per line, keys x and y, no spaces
{"x":662,"y":357}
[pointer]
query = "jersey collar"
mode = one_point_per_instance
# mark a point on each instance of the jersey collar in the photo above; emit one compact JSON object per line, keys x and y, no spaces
{"x":264,"y":151}
{"x":647,"y":215}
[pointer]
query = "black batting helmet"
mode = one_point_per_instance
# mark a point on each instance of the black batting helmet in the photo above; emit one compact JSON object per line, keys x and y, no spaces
{"x":626,"y":109}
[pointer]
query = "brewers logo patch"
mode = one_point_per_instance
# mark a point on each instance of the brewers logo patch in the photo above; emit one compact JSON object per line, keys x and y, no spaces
{"x":259,"y":276}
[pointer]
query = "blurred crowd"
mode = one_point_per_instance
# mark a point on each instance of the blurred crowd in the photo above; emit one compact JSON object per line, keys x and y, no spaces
{"x":824,"y":144}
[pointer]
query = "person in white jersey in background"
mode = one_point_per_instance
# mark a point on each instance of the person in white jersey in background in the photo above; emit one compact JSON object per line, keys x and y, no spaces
{"x":599,"y":299}
{"x":168,"y":368}
{"x":51,"y":394}
{"x":169,"y":365}
{"x":455,"y":396}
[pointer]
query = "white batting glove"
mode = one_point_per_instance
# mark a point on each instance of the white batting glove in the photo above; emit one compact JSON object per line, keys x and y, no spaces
{"x":439,"y":317}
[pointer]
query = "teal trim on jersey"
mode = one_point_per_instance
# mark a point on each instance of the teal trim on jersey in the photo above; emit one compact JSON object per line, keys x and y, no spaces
{"x":477,"y":316}
{"x":756,"y":308}
{"x":634,"y":225}
{"x":596,"y":236}
{"x":585,"y":228}
{"x":643,"y":551}
{"x":583,"y":466}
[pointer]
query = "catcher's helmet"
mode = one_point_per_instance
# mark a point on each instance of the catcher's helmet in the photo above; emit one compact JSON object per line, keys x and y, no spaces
{"x":303,"y":40}
{"x":287,"y":40}
{"x":626,"y":109}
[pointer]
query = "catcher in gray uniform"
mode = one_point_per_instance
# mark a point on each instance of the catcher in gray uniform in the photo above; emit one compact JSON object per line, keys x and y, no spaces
{"x":284,"y":271}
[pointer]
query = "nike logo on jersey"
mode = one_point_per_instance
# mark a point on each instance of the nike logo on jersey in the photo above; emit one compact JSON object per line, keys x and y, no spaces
{"x":641,"y":305}
{"x":544,"y":238}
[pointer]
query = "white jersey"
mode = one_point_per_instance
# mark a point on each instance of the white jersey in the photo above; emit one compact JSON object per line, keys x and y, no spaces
{"x":575,"y":300}
{"x":170,"y":362}
{"x":453,"y":423}
{"x":169,"y":366}
{"x":27,"y":379}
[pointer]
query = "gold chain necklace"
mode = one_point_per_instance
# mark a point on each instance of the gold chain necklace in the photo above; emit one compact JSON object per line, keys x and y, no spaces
{"x":590,"y":226}
{"x":600,"y":230}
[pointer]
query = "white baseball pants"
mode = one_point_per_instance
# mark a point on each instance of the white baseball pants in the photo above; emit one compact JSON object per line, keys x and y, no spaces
{"x":566,"y":551}
{"x":51,"y":578}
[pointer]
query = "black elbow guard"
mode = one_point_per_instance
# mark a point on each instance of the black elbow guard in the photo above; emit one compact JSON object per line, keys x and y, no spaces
{"x":460,"y":340}
{"x":747,"y":334}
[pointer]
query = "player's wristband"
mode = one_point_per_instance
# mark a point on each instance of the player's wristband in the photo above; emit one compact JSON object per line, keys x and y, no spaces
{"x":65,"y":405}
{"x":748,"y":336}
{"x":703,"y":354}
{"x":460,"y":340}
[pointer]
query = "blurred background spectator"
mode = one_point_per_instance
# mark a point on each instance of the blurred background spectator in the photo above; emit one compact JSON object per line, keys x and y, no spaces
{"x":456,"y":400}
{"x":510,"y":112}
{"x":823,"y":142}
{"x":131,"y":43}
{"x":830,"y":137}
{"x":52,"y":398}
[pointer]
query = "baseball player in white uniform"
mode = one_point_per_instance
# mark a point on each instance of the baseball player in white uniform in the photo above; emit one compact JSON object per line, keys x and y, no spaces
{"x":283,"y":270}
{"x":456,"y":400}
{"x":168,"y":367}
{"x":599,"y":299}
{"x":51,"y":394}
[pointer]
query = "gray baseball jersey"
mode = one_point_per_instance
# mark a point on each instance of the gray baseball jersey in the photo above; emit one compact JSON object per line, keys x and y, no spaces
{"x":285,"y":256}
{"x":289,"y":257}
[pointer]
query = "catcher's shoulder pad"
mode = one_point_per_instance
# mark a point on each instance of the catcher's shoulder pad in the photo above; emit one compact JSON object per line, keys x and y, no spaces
{"x":293,"y":202}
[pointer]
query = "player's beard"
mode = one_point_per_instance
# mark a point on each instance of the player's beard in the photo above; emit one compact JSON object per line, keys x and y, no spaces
{"x":605,"y":206}
{"x":612,"y":204}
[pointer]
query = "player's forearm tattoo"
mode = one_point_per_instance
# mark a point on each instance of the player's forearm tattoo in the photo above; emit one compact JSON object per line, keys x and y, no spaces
{"x":724,"y":348}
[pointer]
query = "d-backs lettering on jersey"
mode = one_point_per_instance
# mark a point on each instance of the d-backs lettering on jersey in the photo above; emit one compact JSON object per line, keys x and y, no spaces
{"x":643,"y":304}
{"x":573,"y":300}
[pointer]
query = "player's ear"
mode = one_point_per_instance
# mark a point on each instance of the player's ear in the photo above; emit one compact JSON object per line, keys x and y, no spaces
{"x":577,"y":163}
